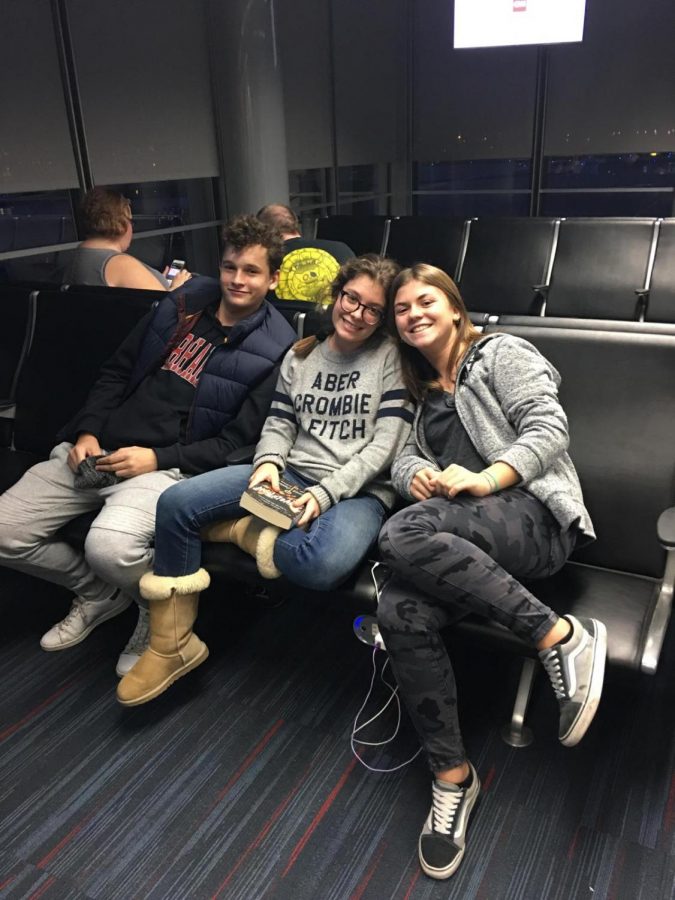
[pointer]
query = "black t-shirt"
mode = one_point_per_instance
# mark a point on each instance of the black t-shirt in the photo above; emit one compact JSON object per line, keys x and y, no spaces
{"x":446,"y":436}
{"x":156,"y":413}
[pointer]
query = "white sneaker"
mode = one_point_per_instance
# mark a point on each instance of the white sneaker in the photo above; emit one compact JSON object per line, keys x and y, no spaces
{"x":137,"y":644}
{"x":83,"y":617}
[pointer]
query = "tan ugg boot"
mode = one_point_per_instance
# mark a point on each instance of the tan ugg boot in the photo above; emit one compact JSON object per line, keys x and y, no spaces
{"x":250,"y":534}
{"x":174,"y":649}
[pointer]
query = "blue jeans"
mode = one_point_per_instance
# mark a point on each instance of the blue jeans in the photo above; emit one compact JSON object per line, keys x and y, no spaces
{"x":319,"y":558}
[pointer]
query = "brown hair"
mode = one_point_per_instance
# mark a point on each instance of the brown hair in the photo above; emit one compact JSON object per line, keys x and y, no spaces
{"x":248,"y":231}
{"x":418,"y":375}
{"x":105,"y":213}
{"x":279,"y":216}
{"x":381,"y":269}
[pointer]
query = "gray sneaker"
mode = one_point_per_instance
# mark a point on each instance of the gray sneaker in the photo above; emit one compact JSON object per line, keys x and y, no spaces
{"x":83,"y":617}
{"x":442,"y":841}
{"x":137,"y":644}
{"x":577,"y":669}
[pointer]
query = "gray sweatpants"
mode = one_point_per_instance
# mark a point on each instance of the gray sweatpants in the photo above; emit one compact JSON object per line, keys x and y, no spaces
{"x":119,"y":545}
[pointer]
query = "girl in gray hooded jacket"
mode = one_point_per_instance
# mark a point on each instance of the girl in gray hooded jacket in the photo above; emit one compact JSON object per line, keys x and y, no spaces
{"x":495,"y":498}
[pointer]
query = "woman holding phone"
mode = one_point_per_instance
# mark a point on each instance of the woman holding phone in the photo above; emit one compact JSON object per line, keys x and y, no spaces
{"x":102,"y":258}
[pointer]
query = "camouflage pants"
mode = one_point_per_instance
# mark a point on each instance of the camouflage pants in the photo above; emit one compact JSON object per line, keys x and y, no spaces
{"x":448,"y":559}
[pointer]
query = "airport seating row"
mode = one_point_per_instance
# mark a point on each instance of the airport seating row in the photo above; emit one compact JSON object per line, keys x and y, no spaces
{"x":51,"y":349}
{"x":617,"y":392}
{"x":18,"y":232}
{"x":593,"y":267}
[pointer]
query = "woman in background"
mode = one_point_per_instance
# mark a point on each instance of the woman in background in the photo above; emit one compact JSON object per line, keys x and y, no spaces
{"x":102,"y":258}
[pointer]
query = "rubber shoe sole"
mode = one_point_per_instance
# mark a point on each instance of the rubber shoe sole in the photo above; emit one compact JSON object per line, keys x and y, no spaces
{"x":447,"y":871}
{"x":85,"y":634}
{"x":583,"y":721}
{"x":160,"y":688}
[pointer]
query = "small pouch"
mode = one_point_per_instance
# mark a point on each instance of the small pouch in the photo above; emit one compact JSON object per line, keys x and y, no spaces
{"x":88,"y":477}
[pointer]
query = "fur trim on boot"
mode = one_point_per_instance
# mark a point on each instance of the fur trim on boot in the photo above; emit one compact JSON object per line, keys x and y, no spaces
{"x":252,"y":535}
{"x":173,"y":652}
{"x":243,"y":532}
{"x":221,"y":532}
{"x":160,"y":587}
{"x":264,"y":553}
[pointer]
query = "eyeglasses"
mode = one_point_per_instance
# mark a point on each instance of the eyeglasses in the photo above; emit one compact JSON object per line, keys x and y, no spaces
{"x":372,"y":315}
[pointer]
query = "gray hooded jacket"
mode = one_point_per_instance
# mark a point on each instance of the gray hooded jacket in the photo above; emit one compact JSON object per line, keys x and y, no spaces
{"x":507,"y":400}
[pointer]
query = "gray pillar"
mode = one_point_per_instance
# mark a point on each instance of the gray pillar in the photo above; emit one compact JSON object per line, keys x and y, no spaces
{"x":249,"y":103}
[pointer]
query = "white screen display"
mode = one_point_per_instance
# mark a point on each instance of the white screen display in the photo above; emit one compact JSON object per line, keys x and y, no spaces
{"x":501,"y":23}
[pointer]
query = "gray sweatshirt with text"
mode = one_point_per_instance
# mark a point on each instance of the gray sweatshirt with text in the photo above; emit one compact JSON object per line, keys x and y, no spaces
{"x":340,"y":420}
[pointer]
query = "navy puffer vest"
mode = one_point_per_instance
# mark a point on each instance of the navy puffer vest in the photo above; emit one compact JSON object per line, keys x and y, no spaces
{"x":253,"y":348}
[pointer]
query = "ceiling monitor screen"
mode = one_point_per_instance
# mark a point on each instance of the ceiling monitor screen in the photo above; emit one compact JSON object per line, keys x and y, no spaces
{"x":505,"y":23}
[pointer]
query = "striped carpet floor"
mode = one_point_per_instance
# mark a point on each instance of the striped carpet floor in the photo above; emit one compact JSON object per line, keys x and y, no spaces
{"x":240,"y":782}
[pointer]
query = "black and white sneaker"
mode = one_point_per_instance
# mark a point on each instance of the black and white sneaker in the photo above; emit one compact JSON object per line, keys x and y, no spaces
{"x":577,"y":670}
{"x":442,"y":841}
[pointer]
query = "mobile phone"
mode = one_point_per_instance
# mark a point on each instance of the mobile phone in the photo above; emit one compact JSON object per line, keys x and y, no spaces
{"x":175,"y":267}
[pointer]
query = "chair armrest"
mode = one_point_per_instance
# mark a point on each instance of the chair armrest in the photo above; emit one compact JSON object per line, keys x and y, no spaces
{"x":241,"y":455}
{"x":665,"y":528}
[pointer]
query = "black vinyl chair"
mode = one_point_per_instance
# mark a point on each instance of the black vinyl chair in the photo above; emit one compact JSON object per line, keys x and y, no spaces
{"x":142,"y":299}
{"x":7,"y":233}
{"x":364,"y":234}
{"x":612,"y":383}
{"x":429,"y":239}
{"x":38,"y":231}
{"x":600,"y":268}
{"x":507,"y":264}
{"x":18,"y":319}
{"x":74,"y":334}
{"x":661,"y":302}
{"x":504,"y":323}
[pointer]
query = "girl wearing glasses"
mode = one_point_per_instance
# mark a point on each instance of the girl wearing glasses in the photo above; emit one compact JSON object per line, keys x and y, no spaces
{"x":495,"y":498}
{"x":338,"y":418}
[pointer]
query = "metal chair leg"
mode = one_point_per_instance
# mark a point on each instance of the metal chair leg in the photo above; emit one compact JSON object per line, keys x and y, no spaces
{"x":515,"y":733}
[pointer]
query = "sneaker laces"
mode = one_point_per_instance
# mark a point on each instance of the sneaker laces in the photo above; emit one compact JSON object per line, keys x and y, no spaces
{"x":552,"y":662}
{"x":445,"y":805}
{"x":76,"y":609}
{"x":138,"y":642}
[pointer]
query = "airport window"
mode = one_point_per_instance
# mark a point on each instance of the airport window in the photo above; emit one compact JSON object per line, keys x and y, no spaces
{"x":479,"y":187}
{"x":308,"y":188}
{"x":624,"y":184}
{"x":36,"y":219}
{"x":473,"y":175}
{"x":359,"y":191}
{"x":168,"y":204}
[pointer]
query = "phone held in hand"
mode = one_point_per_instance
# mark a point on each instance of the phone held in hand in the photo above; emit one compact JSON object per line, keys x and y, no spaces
{"x":175,"y":267}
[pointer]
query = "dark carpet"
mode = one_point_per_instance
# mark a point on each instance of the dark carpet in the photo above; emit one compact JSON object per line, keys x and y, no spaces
{"x":239,"y":782}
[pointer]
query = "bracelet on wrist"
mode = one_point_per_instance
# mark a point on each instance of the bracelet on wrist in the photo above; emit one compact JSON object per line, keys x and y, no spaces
{"x":492,"y":481}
